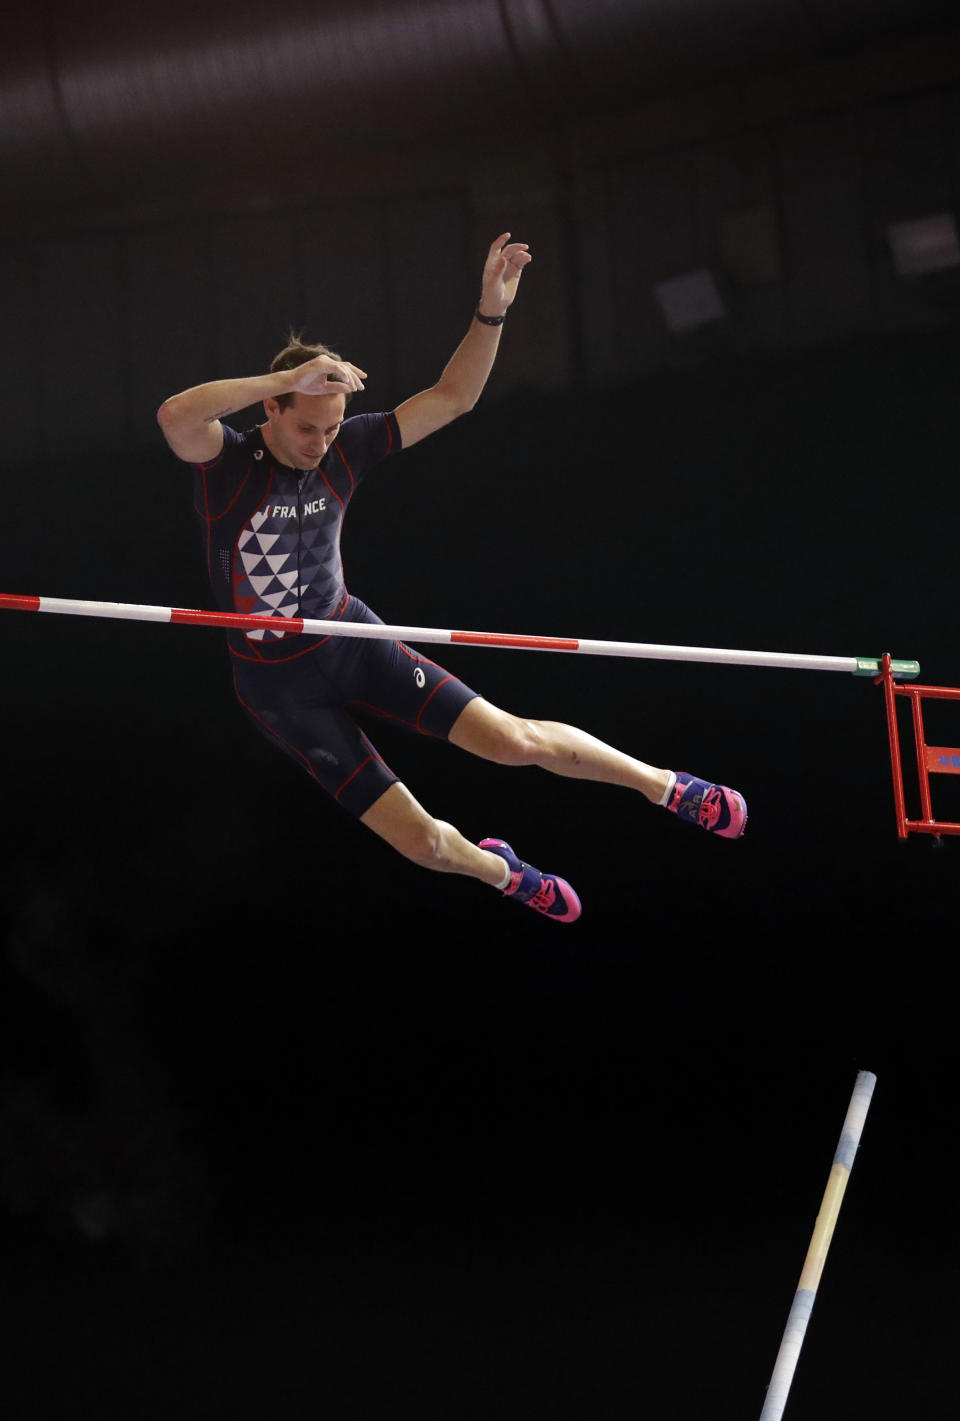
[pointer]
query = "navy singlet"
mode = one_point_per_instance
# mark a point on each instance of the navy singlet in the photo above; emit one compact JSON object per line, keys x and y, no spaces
{"x":272,"y":538}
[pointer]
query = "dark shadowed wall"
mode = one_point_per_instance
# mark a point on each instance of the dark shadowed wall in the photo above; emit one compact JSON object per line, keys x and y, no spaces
{"x":178,"y":242}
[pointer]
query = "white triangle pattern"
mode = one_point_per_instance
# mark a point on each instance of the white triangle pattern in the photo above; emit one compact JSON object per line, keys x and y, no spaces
{"x":259,"y":542}
{"x":280,"y":592}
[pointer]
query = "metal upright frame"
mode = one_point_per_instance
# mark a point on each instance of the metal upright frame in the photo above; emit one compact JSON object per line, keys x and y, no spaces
{"x":931,"y":759}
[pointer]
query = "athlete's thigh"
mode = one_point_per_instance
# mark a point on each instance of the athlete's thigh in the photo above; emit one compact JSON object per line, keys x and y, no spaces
{"x":294,"y":713}
{"x":397,"y":683}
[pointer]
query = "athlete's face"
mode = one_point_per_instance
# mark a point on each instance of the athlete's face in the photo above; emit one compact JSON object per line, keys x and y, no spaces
{"x":302,"y":433}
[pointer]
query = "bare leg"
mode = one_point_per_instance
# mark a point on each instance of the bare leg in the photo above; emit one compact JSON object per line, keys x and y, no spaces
{"x":493,"y":734}
{"x":497,"y":735}
{"x":405,"y":825}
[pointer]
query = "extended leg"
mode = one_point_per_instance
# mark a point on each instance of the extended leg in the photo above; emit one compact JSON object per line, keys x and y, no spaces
{"x":398,"y":819}
{"x":406,"y":826}
{"x":494,"y":734}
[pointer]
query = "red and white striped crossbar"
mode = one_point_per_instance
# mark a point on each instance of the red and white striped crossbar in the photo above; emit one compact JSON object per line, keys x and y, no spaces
{"x":136,"y":612}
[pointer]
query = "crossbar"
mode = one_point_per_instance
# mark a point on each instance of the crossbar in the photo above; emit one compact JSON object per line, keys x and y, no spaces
{"x":295,"y":626}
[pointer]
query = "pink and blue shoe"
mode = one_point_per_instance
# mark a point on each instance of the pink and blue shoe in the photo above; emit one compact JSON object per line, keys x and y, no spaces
{"x":715,"y":808}
{"x":544,"y":892}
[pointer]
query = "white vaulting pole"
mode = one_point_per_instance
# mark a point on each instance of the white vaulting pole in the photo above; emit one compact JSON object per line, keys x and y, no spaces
{"x":133,"y":611}
{"x":806,"y":1293}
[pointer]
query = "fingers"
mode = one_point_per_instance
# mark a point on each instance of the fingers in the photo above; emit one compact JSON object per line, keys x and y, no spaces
{"x":503,"y":269}
{"x":502,"y":246}
{"x":350,"y":375}
{"x":506,"y":258}
{"x":323,"y":376}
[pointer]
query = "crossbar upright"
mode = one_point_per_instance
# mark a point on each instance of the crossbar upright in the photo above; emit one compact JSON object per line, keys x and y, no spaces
{"x":931,"y":759}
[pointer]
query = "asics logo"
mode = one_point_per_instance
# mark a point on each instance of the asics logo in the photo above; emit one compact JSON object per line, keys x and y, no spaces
{"x":419,"y":677}
{"x":544,"y":898}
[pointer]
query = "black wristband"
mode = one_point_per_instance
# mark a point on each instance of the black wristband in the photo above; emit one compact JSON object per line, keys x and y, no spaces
{"x":490,"y":320}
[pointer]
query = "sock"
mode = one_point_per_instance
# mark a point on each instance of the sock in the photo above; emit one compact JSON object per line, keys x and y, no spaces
{"x":505,"y":882}
{"x":671,"y":785}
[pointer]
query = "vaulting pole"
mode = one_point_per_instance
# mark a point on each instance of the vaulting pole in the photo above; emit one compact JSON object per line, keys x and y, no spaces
{"x":806,"y":1293}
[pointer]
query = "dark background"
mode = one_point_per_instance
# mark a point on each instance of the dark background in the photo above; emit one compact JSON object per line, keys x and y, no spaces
{"x":289,"y":1128}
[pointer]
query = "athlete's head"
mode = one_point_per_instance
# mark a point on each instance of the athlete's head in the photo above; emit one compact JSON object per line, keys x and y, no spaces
{"x":297,"y":352}
{"x":302,"y":427}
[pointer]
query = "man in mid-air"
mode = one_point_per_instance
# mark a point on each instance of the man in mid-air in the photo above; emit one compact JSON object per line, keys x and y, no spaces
{"x":271,"y":502}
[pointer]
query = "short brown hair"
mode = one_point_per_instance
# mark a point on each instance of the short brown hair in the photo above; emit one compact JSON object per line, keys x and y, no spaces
{"x":296,"y":352}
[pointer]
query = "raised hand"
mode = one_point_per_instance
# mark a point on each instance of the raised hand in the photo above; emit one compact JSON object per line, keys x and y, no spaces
{"x":501,"y":274}
{"x":324,"y":376}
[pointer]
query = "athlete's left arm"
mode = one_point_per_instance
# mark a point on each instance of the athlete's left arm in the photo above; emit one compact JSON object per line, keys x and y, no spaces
{"x":465,"y":375}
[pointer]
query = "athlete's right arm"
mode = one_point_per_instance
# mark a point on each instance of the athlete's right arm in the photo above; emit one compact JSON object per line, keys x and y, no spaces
{"x":191,"y":420}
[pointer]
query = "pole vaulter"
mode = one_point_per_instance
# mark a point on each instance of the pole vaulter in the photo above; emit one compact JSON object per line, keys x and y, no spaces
{"x":271,"y":501}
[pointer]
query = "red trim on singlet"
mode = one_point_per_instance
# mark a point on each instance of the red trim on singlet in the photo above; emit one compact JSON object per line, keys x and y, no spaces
{"x":379,"y":712}
{"x":389,"y":715}
{"x":211,"y":518}
{"x":208,"y":521}
{"x":344,"y":462}
{"x":200,"y":512}
{"x":427,"y":702}
{"x":323,"y":475}
{"x":418,"y":656}
{"x":215,"y":517}
{"x":292,"y":749}
{"x":343,"y":513}
{"x":399,"y":720}
{"x":362,"y":766}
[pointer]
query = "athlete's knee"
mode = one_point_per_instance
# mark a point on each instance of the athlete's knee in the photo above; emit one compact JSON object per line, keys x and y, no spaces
{"x":424,"y":843}
{"x":524,"y":741}
{"x":513,"y":740}
{"x":407,"y":827}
